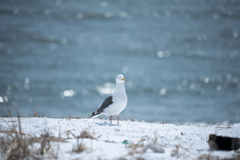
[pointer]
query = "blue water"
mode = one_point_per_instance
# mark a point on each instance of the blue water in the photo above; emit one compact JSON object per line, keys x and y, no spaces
{"x":180,"y":59}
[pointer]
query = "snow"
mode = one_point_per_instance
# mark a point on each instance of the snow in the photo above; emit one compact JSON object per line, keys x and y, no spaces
{"x":180,"y":141}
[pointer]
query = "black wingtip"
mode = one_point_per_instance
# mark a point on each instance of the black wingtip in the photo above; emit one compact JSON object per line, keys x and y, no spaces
{"x":94,"y":114}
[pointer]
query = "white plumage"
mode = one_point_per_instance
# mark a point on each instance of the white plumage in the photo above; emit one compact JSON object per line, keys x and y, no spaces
{"x":114,"y":104}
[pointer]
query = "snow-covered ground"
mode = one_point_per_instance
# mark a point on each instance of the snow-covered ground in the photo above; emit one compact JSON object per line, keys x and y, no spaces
{"x":179,"y":141}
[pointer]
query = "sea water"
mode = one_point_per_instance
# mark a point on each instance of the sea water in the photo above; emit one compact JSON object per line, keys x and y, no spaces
{"x":180,"y":59}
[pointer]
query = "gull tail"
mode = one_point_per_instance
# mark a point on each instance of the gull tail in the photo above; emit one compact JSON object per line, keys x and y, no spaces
{"x":94,"y":114}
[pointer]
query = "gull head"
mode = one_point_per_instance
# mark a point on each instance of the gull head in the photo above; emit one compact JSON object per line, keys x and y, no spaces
{"x":120,"y":78}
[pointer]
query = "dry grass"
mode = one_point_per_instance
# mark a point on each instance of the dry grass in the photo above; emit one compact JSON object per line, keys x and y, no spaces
{"x":160,"y":140}
{"x":80,"y":147}
{"x":155,"y":138}
{"x":14,"y":144}
{"x":180,"y":151}
{"x":210,"y":157}
{"x":83,"y":134}
{"x":220,"y":125}
{"x":46,"y":136}
{"x":228,"y":125}
{"x":70,"y":118}
{"x":134,"y":147}
{"x":15,"y":148}
{"x":121,"y":158}
{"x":134,"y":119}
{"x":35,"y":114}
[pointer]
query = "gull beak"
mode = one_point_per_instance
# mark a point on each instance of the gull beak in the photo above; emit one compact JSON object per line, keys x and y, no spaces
{"x":123,"y":79}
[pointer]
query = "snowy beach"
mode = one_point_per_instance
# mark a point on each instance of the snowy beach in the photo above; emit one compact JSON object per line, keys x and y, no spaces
{"x":179,"y":58}
{"x":124,"y":141}
{"x":170,"y":68}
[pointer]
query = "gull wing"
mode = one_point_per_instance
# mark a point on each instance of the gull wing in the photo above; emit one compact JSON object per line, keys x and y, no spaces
{"x":108,"y":101}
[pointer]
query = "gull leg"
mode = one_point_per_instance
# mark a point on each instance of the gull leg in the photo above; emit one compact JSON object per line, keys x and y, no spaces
{"x":111,"y":119}
{"x":118,"y":118}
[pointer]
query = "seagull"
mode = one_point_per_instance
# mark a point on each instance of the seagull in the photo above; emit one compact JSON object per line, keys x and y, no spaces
{"x":114,"y":104}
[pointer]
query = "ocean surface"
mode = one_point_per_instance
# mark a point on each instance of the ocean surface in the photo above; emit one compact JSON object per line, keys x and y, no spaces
{"x":180,"y":59}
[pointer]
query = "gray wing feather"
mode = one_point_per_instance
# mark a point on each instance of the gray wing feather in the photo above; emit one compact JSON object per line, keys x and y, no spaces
{"x":108,"y":101}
